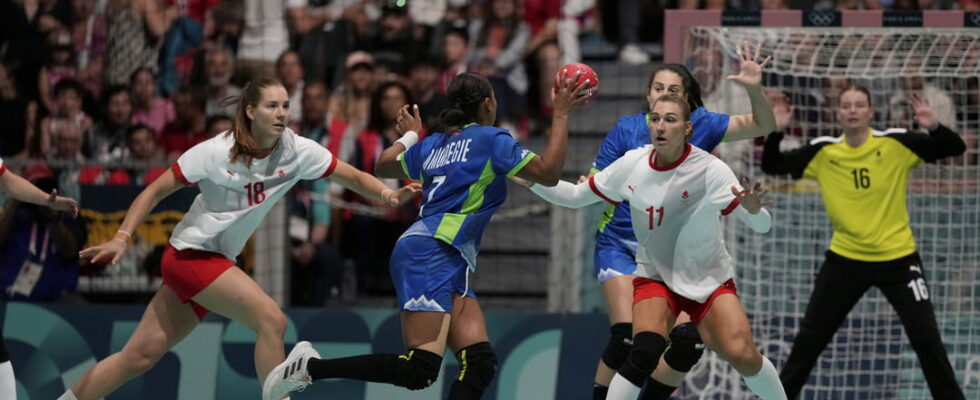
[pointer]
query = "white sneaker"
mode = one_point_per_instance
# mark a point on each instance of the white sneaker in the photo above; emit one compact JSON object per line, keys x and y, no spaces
{"x":631,"y":53}
{"x":291,"y":375}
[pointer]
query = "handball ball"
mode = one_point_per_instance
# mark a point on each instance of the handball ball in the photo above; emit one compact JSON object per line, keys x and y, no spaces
{"x":590,"y":89}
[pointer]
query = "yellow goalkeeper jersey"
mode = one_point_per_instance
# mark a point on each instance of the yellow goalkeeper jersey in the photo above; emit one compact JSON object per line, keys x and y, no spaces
{"x":864,"y":188}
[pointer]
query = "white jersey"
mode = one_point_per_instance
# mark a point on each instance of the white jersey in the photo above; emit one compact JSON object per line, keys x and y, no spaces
{"x":3,"y":167}
{"x":234,"y":198}
{"x":676,"y":213}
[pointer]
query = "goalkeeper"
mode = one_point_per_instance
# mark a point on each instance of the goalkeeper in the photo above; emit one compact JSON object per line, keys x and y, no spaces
{"x":863,"y":176}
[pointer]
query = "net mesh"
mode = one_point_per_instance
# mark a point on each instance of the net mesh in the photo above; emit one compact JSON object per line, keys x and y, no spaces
{"x":870,"y":356}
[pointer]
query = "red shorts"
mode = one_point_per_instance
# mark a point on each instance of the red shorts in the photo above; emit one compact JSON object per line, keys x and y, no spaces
{"x":187,"y":272}
{"x":644,"y":288}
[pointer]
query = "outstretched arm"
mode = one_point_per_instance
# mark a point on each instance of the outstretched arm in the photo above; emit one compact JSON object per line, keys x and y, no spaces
{"x":370,"y":187}
{"x":21,"y":189}
{"x":112,"y":250}
{"x":566,"y":194}
{"x":761,"y":121}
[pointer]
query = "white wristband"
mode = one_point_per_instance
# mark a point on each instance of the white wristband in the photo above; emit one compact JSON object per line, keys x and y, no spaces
{"x":409,"y":139}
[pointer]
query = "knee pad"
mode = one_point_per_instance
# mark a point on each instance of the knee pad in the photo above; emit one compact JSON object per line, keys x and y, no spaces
{"x":417,"y":369}
{"x":644,"y":357}
{"x":477,"y":365}
{"x":685,"y":348}
{"x":618,"y":348}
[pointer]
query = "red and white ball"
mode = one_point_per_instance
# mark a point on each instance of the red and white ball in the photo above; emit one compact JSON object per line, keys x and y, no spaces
{"x":591,"y":89}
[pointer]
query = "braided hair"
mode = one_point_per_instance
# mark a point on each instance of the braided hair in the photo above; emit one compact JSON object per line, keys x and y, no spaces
{"x":465,"y":94}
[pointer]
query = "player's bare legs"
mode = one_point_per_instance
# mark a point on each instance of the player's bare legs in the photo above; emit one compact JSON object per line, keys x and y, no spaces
{"x":165,"y":322}
{"x":725,"y":329}
{"x":236,"y":296}
{"x":618,"y":292}
{"x":425,"y":330}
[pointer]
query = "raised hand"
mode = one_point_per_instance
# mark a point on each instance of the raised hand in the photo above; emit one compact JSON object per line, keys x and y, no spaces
{"x":397,"y":197}
{"x":568,"y":94}
{"x":407,"y":121}
{"x":924,"y":115}
{"x":751,"y":199}
{"x":749,"y":67}
{"x":62,"y":203}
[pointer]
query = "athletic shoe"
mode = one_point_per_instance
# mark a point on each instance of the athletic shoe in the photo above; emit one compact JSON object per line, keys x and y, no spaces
{"x":291,"y":375}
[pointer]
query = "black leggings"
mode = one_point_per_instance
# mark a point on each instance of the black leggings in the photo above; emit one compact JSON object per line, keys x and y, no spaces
{"x":840,"y":283}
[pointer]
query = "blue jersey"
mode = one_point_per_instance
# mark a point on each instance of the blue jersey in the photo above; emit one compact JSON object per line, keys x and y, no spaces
{"x":463,"y":176}
{"x":632,"y":132}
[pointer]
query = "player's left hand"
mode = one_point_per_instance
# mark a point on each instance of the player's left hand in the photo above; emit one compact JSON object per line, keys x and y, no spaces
{"x":397,"y":197}
{"x":924,"y":115}
{"x":751,"y":199}
{"x":750,"y":68}
{"x":62,"y":203}
{"x":408,"y":121}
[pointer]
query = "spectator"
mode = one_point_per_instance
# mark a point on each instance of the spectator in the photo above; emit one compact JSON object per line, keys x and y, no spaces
{"x":60,"y":65}
{"x":351,"y":102}
{"x":25,"y":29}
{"x":142,"y":149}
{"x":498,"y":41}
{"x":544,"y":56}
{"x":107,"y":139}
{"x":13,"y":107}
{"x":218,"y":124}
{"x":395,"y":45}
{"x":136,"y":29}
{"x":148,"y":108}
{"x":456,"y":55}
{"x":265,"y":37}
{"x":372,"y":238}
{"x":422,"y":80}
{"x":40,"y":246}
{"x":67,"y":157}
{"x":189,"y":127}
{"x":901,"y":111}
{"x":219,"y":66}
{"x":290,"y":73}
{"x":89,"y":34}
{"x":68,"y":95}
{"x":316,"y":261}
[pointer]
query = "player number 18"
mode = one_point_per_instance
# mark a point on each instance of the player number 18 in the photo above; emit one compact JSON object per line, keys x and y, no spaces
{"x":255,"y":192}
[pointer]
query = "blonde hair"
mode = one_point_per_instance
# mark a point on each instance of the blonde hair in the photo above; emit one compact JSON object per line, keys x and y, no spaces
{"x":245,"y":148}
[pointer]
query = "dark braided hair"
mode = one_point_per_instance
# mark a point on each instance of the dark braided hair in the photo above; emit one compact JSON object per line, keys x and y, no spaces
{"x":465,"y":94}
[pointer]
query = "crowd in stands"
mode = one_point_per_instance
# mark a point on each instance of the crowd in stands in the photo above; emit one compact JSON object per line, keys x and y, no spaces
{"x":112,"y":91}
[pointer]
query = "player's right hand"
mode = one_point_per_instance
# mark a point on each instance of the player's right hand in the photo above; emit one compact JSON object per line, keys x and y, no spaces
{"x":408,"y":121}
{"x":405,"y":193}
{"x":567,"y":96}
{"x":110,"y":252}
{"x":62,"y":203}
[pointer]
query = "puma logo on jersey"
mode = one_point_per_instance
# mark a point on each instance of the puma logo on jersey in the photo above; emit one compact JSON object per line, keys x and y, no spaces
{"x":631,"y":188}
{"x":915,"y":268}
{"x":835,"y":162}
{"x":230,"y":173}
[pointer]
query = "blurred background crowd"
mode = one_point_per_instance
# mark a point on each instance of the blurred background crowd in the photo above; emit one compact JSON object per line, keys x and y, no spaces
{"x":109,"y":92}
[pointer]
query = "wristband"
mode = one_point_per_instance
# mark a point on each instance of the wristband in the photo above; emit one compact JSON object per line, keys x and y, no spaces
{"x":125,"y":232}
{"x":408,"y":139}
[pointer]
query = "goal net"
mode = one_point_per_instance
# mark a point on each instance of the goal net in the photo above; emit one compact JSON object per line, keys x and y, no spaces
{"x":870,"y":356}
